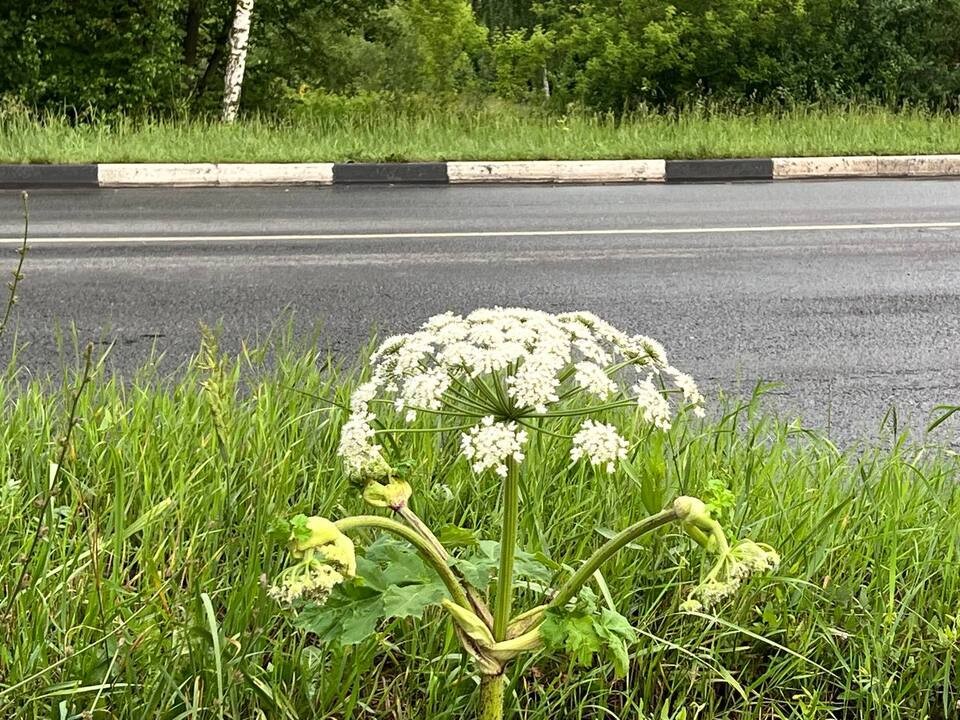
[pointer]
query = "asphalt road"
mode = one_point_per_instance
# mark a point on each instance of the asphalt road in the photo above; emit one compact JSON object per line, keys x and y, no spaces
{"x":848,"y":293}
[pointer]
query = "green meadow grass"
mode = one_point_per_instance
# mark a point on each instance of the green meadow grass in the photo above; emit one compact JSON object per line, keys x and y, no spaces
{"x":498,"y":132}
{"x":143,"y":594}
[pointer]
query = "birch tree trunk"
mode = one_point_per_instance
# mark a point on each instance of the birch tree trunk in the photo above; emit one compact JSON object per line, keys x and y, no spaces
{"x":236,"y":60}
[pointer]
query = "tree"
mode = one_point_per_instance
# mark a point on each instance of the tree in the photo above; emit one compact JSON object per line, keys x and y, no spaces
{"x":237,"y":59}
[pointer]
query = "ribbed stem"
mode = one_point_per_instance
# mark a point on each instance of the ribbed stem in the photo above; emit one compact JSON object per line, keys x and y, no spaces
{"x":491,"y":697}
{"x":421,"y":528}
{"x":610,"y":548}
{"x":427,"y":551}
{"x":508,"y":543}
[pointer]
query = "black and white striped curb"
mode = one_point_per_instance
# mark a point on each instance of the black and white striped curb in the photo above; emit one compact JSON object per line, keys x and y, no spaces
{"x":443,"y":173}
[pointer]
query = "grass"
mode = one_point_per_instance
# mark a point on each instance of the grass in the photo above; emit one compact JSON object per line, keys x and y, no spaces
{"x":489,"y":133}
{"x":143,"y":596}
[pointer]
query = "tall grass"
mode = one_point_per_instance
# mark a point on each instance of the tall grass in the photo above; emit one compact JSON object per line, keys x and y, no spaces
{"x":144,"y":598}
{"x":498,"y":132}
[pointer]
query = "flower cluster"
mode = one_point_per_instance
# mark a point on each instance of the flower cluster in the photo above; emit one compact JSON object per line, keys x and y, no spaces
{"x":742,"y":561}
{"x":504,"y":368}
{"x":490,"y":444}
{"x":326,"y":557}
{"x":361,"y":456}
{"x":600,"y":443}
{"x":312,"y":581}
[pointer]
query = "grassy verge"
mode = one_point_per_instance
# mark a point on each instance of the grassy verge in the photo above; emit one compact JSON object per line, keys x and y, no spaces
{"x":501,"y":133}
{"x":143,"y":596}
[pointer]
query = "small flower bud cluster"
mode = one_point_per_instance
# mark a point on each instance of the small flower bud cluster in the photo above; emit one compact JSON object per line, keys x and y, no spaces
{"x":601,"y":444}
{"x":313,"y":581}
{"x":490,"y":444}
{"x":326,"y":558}
{"x":742,"y":561}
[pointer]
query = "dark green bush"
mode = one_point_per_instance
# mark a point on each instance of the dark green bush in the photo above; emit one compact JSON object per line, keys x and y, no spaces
{"x":602,"y":55}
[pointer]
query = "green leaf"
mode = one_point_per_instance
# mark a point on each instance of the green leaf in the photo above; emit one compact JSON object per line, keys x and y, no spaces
{"x":411,"y":600}
{"x":616,"y":633}
{"x":533,"y":567}
{"x":360,"y":621}
{"x":299,"y":529}
{"x":573,"y":634}
{"x":455,"y":536}
{"x":388,"y":561}
{"x":392,"y":582}
{"x":348,"y":617}
{"x":480,"y":568}
{"x":279,"y":530}
{"x":584,"y":635}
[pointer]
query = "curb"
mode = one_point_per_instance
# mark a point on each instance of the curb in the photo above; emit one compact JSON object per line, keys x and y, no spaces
{"x":48,"y":176}
{"x":113,"y":175}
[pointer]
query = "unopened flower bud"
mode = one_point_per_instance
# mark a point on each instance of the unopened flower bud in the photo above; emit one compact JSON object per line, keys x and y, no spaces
{"x":393,"y":495}
{"x":506,"y":650}
{"x":691,"y":510}
{"x":470,"y":623}
{"x":317,"y":536}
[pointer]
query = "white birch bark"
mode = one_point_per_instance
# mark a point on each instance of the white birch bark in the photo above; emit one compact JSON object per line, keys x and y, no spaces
{"x":236,"y":60}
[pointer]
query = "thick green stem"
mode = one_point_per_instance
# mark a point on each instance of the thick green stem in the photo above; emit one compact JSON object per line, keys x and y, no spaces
{"x":607,"y":551}
{"x":508,"y":544}
{"x":491,"y":697}
{"x":422,"y":529}
{"x":457,"y":593}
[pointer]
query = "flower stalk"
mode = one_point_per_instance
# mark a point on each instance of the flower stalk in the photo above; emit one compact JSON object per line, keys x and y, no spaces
{"x":610,"y":548}
{"x":503,"y":601}
{"x":452,"y":583}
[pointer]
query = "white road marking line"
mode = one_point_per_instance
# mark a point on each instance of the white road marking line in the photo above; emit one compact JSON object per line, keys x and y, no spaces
{"x":479,"y":234}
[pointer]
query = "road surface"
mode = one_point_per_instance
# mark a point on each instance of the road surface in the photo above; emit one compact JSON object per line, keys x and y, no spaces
{"x":847,"y":293}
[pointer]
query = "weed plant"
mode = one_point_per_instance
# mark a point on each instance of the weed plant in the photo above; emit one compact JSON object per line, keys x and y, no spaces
{"x":144,"y":595}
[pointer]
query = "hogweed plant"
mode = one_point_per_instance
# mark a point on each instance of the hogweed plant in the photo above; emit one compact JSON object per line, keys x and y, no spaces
{"x":495,"y":378}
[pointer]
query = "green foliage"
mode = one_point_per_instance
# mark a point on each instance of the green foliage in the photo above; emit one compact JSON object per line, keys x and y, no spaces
{"x":107,"y":54}
{"x":446,"y":42}
{"x":520,"y":62}
{"x":625,"y":54}
{"x":502,"y":14}
{"x":587,"y":634}
{"x":479,"y":567}
{"x":392,"y":582}
{"x":166,"y":57}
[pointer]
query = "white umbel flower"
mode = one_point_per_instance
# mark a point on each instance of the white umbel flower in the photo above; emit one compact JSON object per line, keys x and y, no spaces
{"x":592,"y":378}
{"x":654,"y":406}
{"x":601,"y":444}
{"x":509,"y":364}
{"x":423,"y":390}
{"x":688,"y":386}
{"x":362,"y":395}
{"x":535,"y":383}
{"x":490,"y":444}
{"x":309,"y":581}
{"x":362,"y":458}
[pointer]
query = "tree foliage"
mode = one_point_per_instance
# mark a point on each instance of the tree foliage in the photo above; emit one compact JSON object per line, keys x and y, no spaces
{"x":607,"y":55}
